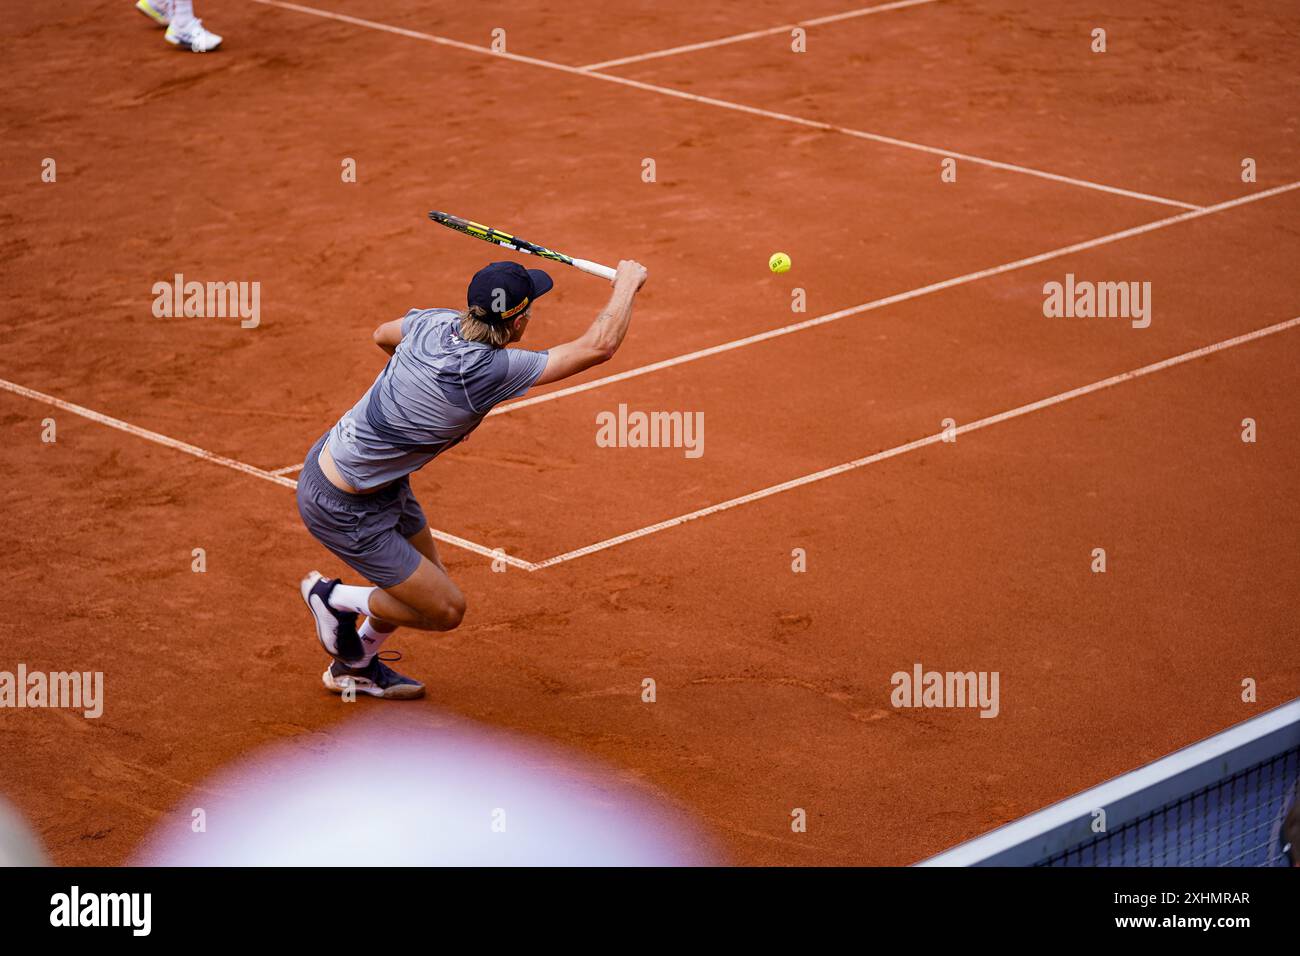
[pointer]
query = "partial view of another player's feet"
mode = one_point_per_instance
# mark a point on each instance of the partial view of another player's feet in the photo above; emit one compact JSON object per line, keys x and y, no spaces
{"x":337,"y":630}
{"x":375,"y":679}
{"x":192,"y":36}
{"x":159,"y":11}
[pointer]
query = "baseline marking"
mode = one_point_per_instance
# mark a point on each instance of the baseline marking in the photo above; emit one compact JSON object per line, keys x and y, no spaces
{"x":724,"y":104}
{"x":147,"y":435}
{"x":755,"y":34}
{"x":919,"y":443}
{"x":891,"y":300}
{"x":213,"y":458}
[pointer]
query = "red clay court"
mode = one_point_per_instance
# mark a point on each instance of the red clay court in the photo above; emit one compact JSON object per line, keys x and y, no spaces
{"x":825,"y":428}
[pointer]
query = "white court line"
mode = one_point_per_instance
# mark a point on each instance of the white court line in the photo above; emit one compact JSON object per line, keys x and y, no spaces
{"x":919,"y":443}
{"x":287,"y":469}
{"x":891,"y":300}
{"x":277,"y":477}
{"x":225,"y":462}
{"x":755,"y":34}
{"x":726,"y":104}
{"x":147,"y":435}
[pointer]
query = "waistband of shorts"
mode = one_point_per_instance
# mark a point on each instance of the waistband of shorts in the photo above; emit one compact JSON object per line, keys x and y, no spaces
{"x":311,"y":472}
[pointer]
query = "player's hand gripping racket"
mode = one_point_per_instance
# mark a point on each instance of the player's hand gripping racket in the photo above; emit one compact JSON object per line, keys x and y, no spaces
{"x":504,"y":239}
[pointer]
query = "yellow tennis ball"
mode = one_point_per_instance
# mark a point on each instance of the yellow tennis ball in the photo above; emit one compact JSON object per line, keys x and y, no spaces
{"x":779,"y":262}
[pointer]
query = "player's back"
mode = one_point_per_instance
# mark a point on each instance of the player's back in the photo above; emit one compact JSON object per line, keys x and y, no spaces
{"x":433,"y":392}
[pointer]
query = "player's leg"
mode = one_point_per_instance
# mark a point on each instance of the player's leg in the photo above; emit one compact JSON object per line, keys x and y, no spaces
{"x":186,"y":31}
{"x":422,"y":541}
{"x":428,"y":600}
{"x":384,"y":614}
{"x":385,"y":538}
{"x":374,"y":631}
{"x":432,"y":600}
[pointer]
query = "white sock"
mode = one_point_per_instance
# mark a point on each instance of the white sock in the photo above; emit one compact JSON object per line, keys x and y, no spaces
{"x":373,"y":634}
{"x":351,"y":597}
{"x":182,"y":12}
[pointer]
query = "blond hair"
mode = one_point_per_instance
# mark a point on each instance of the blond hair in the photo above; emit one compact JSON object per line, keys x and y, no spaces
{"x":474,"y":327}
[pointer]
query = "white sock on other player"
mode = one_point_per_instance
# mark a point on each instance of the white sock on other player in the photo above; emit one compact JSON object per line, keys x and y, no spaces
{"x":182,"y":12}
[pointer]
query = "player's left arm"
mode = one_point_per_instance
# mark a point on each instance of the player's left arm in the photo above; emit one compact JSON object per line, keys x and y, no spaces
{"x":600,"y":342}
{"x":388,"y":335}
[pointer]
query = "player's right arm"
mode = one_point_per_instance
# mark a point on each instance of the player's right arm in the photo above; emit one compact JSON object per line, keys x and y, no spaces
{"x":600,"y":342}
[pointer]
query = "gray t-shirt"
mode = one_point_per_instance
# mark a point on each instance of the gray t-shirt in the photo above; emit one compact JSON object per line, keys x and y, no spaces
{"x":433,"y":392}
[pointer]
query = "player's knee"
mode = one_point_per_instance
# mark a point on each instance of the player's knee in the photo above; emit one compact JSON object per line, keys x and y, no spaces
{"x":454,"y":611}
{"x":446,"y":614}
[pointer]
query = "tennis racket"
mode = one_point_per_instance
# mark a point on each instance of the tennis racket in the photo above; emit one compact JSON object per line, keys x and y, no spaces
{"x":507,"y":241}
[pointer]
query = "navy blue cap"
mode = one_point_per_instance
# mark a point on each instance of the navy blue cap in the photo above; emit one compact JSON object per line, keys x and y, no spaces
{"x":518,"y":288}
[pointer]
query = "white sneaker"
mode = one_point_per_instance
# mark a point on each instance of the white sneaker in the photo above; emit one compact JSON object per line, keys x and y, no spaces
{"x":159,"y":11}
{"x":193,"y":35}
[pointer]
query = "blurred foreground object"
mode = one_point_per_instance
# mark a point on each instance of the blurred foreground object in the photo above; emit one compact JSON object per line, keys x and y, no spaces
{"x":18,"y":845}
{"x":410,"y":791}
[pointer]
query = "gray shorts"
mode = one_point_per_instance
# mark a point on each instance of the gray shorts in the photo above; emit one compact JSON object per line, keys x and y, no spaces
{"x":368,"y":532}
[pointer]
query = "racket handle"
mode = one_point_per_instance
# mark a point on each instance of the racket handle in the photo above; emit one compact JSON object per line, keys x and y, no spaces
{"x":595,"y":268}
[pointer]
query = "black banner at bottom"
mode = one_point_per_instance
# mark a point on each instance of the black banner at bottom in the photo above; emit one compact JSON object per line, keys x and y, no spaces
{"x":360,"y":904}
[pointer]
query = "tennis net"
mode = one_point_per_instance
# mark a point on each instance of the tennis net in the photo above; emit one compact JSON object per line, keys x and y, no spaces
{"x":1219,"y":802}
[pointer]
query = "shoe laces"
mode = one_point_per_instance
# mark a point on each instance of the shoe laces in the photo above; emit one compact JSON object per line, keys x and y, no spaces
{"x":376,"y":663}
{"x":198,"y":36}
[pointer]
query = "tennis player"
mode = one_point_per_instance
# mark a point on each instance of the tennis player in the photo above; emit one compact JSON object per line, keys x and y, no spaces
{"x":448,"y":368}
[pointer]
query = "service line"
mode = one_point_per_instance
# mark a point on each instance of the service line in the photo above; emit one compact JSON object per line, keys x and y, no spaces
{"x":723,"y":104}
{"x":755,"y":34}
